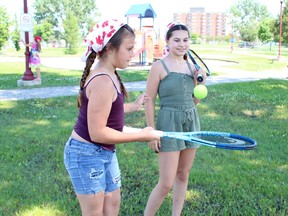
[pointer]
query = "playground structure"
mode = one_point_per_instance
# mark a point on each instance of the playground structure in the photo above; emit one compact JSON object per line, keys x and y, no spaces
{"x":149,"y":46}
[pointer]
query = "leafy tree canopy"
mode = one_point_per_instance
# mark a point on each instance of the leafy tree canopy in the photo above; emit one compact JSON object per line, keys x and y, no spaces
{"x":265,"y":30}
{"x":44,"y":29}
{"x":276,"y":31}
{"x":247,"y":17}
{"x":55,"y":12}
{"x":71,"y":33}
{"x":4,"y":26}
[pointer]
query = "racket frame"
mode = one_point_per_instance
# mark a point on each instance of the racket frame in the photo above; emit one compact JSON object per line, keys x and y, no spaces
{"x":191,"y":137}
{"x":195,"y":63}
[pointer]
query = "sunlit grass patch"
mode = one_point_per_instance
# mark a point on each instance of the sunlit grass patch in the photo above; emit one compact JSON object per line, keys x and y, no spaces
{"x":34,"y":180}
{"x":41,"y":210}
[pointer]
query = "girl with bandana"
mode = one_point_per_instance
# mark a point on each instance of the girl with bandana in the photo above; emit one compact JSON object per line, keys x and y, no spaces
{"x":90,"y":152}
{"x":173,"y":79}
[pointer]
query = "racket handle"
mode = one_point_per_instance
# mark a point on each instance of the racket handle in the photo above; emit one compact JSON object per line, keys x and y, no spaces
{"x":135,"y":130}
{"x":200,"y":78}
{"x":197,"y":67}
{"x":158,"y":133}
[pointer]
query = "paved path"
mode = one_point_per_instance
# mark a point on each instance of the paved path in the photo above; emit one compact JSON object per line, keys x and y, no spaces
{"x":47,"y":92}
{"x":228,"y":76}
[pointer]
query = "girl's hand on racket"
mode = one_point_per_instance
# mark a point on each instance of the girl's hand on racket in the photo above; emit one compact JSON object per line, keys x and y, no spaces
{"x":197,"y":73}
{"x":155,"y":145}
{"x":148,"y":135}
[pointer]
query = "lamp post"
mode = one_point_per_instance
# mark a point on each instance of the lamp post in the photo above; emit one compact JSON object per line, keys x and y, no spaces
{"x":232,"y":39}
{"x":280,"y":33}
{"x":28,"y":74}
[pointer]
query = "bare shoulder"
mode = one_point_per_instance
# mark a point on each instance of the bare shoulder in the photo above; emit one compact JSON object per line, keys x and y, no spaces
{"x":157,"y":67}
{"x":102,"y":82}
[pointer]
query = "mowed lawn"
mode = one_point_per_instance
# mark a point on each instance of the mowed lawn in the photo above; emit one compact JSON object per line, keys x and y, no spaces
{"x":33,"y":179}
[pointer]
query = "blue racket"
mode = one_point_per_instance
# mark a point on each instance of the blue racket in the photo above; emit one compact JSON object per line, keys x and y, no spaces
{"x":215,"y":139}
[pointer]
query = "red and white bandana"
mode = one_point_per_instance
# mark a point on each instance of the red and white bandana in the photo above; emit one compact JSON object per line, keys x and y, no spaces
{"x":100,"y":35}
{"x":170,"y":25}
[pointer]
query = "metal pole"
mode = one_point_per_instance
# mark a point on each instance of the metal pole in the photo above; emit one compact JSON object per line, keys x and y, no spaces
{"x":232,"y":35}
{"x":280,"y":33}
{"x":28,"y":74}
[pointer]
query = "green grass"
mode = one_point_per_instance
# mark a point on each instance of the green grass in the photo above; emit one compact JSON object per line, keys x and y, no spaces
{"x":254,"y":60}
{"x":55,"y":77}
{"x":33,"y":180}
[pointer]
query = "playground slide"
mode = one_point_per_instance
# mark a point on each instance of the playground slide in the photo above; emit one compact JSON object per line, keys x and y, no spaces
{"x":139,"y":56}
{"x":138,"y":51}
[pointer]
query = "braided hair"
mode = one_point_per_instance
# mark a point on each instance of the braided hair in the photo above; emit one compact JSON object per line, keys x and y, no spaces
{"x":89,"y":62}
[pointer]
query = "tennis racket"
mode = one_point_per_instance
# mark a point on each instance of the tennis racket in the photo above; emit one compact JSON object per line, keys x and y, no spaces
{"x":215,"y":139}
{"x":200,"y":64}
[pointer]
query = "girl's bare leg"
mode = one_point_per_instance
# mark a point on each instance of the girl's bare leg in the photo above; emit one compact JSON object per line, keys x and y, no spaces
{"x":38,"y":76}
{"x":181,"y":181}
{"x":168,"y":163}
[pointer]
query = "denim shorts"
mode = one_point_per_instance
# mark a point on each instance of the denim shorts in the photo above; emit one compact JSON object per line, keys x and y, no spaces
{"x":92,"y":169}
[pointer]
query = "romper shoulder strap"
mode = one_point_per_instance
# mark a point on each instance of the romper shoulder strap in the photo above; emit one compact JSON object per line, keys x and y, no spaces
{"x":165,"y":66}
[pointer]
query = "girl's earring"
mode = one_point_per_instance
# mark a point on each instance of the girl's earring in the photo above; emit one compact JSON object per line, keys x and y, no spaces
{"x":166,"y":50}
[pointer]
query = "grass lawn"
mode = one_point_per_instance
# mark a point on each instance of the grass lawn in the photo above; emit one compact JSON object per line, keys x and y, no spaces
{"x":55,"y":77}
{"x":254,"y":60}
{"x":34,"y":181}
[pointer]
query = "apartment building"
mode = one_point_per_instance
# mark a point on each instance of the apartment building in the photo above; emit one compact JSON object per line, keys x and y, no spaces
{"x":204,"y":24}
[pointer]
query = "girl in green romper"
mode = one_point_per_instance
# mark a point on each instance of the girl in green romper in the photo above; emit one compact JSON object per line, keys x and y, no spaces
{"x":173,"y":80}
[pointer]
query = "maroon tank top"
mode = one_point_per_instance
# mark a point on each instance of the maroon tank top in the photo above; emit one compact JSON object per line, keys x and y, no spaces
{"x":115,"y":119}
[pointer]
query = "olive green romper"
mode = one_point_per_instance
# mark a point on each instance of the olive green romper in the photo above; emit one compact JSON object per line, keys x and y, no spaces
{"x":177,"y":112}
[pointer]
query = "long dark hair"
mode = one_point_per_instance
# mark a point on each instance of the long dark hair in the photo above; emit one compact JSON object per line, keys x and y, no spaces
{"x":115,"y":43}
{"x":38,"y":46}
{"x":175,"y":28}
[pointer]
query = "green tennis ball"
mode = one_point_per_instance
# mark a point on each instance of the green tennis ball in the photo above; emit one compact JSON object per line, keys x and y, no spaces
{"x":200,"y":91}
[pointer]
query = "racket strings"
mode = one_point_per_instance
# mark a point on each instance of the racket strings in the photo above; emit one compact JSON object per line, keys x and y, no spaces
{"x":225,"y":140}
{"x":215,"y":139}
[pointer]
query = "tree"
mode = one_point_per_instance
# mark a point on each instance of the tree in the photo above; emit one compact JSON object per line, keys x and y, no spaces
{"x":265,"y":31}
{"x":16,"y":34}
{"x":4,"y":26}
{"x":194,"y":38}
{"x":248,"y":15}
{"x":276,"y":27}
{"x":285,"y":24}
{"x":71,"y":34}
{"x":44,"y":29}
{"x":55,"y":12}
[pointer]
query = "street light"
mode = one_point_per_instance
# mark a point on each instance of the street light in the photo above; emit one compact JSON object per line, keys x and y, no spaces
{"x":28,"y":74}
{"x":232,"y":39}
{"x":280,"y":33}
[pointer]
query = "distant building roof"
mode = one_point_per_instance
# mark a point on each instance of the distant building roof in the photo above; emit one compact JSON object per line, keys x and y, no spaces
{"x":141,"y":10}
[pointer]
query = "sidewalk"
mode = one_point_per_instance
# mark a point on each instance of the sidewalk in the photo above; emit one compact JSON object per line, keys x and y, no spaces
{"x":228,"y":76}
{"x":48,"y":92}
